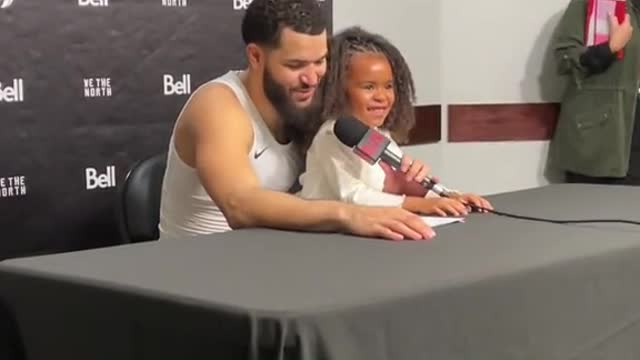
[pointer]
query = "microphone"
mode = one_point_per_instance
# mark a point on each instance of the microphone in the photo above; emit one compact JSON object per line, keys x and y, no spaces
{"x":372,"y":146}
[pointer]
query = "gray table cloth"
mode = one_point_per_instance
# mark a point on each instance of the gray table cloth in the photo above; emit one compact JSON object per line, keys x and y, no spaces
{"x":490,"y":288}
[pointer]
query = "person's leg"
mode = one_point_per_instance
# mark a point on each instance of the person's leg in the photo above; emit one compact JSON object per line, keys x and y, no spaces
{"x":574,"y":178}
{"x":633,"y":177}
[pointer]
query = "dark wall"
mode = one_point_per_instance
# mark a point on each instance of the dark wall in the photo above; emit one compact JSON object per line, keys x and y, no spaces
{"x":88,"y":87}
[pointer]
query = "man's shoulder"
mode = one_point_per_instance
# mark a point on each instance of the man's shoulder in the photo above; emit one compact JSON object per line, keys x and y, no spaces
{"x":213,"y":102}
{"x":214,"y":94}
{"x":213,"y":110}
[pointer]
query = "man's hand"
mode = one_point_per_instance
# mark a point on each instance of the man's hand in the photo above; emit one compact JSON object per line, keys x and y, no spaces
{"x":386,"y":222}
{"x":473,"y":199}
{"x":620,"y":33}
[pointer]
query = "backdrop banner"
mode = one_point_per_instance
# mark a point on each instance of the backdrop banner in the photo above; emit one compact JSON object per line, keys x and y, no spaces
{"x":87,"y":88}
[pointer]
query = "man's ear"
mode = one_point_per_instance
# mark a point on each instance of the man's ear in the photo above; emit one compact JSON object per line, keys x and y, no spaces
{"x":256,"y":56}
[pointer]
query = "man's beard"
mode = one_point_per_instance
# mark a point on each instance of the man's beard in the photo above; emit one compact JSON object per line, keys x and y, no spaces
{"x":296,"y":120}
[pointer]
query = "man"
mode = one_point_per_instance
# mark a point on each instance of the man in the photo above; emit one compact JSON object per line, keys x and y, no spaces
{"x":233,"y":158}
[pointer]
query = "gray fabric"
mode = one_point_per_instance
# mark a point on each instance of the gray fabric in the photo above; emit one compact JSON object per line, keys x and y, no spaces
{"x":490,"y":288}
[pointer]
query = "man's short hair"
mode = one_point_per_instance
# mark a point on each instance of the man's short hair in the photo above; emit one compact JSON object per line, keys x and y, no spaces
{"x":264,"y":20}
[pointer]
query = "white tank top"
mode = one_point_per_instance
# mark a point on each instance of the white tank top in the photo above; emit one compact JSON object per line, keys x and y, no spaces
{"x":187,"y":209}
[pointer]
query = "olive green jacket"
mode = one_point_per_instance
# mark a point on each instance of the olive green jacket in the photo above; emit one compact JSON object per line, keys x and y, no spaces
{"x":595,"y":125}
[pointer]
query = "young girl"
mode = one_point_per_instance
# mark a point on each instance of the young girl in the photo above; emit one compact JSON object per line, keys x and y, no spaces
{"x":369,"y":79}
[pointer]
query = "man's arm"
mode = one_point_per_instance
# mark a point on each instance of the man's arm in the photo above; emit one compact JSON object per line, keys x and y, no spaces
{"x":222,"y":136}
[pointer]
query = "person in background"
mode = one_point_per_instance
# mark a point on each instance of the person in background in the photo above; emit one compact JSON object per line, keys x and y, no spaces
{"x":369,"y":79}
{"x":597,"y":138}
{"x":233,"y":155}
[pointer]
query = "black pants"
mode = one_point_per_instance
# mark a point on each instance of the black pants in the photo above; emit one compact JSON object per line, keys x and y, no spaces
{"x":574,"y":178}
{"x":633,"y":175}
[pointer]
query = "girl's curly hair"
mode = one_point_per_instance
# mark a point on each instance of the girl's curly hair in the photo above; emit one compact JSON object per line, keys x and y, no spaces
{"x":343,"y":46}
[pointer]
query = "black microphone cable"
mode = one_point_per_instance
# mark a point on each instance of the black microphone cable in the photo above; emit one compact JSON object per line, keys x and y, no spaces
{"x":552,"y":221}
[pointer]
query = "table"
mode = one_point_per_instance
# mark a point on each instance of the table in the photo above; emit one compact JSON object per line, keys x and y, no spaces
{"x":490,"y":288}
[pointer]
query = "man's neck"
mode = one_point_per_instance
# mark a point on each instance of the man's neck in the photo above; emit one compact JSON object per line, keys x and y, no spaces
{"x":255,"y":88}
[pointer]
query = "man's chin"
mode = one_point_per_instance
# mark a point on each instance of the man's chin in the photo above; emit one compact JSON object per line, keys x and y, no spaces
{"x":302,"y":104}
{"x":302,"y":98}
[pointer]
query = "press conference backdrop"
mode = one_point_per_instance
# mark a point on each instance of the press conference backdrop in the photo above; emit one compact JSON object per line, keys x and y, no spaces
{"x":87,"y":88}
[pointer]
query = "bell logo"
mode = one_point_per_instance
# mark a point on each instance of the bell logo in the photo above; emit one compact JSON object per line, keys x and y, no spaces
{"x":5,"y":3}
{"x":174,"y":3}
{"x":177,"y":87}
{"x":95,"y":3}
{"x":13,"y":93}
{"x":101,"y":181}
{"x":241,"y":4}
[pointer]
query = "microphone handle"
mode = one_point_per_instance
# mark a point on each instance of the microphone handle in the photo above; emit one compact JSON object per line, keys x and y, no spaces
{"x":395,"y":161}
